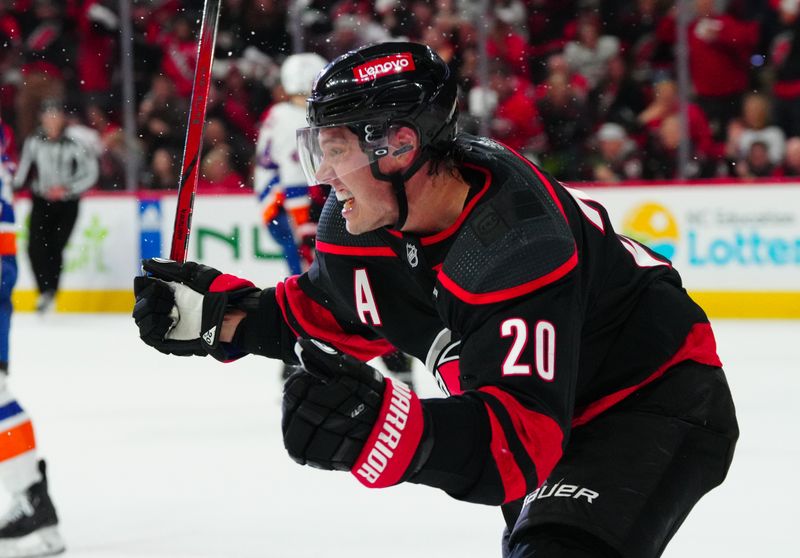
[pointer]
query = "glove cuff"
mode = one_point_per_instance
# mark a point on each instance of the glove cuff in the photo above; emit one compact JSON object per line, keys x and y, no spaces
{"x":227,"y":283}
{"x":224,"y":291}
{"x":394,"y":439}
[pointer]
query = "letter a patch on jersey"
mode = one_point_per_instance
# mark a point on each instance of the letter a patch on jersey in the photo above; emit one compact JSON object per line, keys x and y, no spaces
{"x":365,"y":300}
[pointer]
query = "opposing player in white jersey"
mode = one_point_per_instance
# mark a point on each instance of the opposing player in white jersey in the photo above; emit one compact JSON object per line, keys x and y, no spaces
{"x":278,"y":178}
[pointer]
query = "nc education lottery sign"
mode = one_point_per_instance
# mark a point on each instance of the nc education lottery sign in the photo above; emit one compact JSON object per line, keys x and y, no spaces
{"x":742,"y":238}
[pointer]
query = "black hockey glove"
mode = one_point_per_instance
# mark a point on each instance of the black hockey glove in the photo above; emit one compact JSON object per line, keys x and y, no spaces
{"x":180,"y":307}
{"x":341,"y":414}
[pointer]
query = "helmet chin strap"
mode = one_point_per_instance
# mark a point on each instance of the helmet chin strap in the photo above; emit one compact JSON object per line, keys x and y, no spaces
{"x":398,"y":182}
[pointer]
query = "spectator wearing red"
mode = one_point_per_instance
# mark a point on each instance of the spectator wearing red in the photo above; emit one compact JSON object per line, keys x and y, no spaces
{"x":46,"y":64}
{"x":785,"y":58}
{"x":228,"y":121}
{"x":506,"y":44}
{"x":546,"y":24}
{"x":516,"y":118}
{"x":719,"y":60}
{"x":665,"y":104}
{"x":216,"y":172}
{"x":11,"y":38}
{"x":237,"y":104}
{"x":9,"y":26}
{"x":98,"y":27}
{"x":649,"y":55}
{"x":179,"y":55}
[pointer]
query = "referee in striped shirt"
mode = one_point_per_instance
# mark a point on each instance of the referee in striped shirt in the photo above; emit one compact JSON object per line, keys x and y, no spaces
{"x":59,"y":169}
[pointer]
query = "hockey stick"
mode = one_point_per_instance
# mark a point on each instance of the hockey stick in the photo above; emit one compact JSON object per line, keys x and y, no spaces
{"x":190,"y":166}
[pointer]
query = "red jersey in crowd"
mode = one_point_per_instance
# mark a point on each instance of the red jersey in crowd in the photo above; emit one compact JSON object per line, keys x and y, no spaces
{"x":96,"y":56}
{"x":520,"y":117}
{"x":719,"y":50}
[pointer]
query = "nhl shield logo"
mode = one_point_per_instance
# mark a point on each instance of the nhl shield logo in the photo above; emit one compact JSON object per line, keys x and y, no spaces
{"x":411,"y":253}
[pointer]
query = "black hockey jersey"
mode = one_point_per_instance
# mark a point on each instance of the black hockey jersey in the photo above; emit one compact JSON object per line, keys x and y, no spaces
{"x":531,"y":312}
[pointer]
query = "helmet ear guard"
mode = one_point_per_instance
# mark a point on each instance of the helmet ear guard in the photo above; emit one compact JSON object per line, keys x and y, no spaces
{"x":375,"y":139}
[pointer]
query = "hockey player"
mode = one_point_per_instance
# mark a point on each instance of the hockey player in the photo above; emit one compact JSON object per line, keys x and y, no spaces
{"x":30,"y":526}
{"x":585,"y":393}
{"x":278,"y":177}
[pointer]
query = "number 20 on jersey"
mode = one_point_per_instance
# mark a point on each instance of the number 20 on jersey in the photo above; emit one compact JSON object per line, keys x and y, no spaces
{"x":544,"y":339}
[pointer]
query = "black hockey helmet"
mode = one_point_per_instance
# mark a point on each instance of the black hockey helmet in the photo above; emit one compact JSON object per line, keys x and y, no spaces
{"x":373,"y":88}
{"x":387,"y":83}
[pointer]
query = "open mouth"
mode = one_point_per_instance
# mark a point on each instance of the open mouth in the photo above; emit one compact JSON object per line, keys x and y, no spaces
{"x":347,"y":199}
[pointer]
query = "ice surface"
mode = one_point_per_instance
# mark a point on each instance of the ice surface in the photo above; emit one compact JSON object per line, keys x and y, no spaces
{"x":165,"y":457}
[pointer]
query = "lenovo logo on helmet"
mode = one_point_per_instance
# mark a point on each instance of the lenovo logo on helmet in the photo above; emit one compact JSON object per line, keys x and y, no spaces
{"x":385,"y":66}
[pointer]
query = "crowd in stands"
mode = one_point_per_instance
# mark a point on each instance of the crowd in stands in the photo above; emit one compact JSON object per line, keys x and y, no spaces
{"x":585,"y":87}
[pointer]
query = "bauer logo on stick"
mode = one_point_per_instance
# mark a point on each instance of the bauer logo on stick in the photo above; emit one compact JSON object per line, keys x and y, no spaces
{"x":385,"y":66}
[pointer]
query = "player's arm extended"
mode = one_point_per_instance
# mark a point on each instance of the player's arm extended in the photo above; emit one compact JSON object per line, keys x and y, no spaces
{"x":296,"y":308}
{"x":193,"y":309}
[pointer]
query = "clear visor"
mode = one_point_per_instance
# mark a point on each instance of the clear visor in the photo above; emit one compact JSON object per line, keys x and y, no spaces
{"x":330,"y":153}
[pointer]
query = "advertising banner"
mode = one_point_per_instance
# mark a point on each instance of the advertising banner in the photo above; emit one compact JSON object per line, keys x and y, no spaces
{"x":737,"y":247}
{"x":100,"y":258}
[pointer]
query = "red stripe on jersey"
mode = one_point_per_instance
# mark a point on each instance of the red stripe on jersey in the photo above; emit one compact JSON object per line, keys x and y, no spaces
{"x":544,"y":180}
{"x":510,"y":475}
{"x":224,"y":282}
{"x":382,"y":251}
{"x":452,"y":229}
{"x":8,"y":243}
{"x":541,"y":436}
{"x":394,"y":439}
{"x":699,"y":346}
{"x":511,"y":292}
{"x":320,"y":323}
{"x":17,"y":440}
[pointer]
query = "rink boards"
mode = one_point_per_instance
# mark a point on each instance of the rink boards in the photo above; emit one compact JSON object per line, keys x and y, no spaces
{"x":737,"y":246}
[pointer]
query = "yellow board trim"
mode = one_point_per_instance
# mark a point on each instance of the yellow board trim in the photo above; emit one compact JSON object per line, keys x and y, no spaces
{"x":717,"y":304}
{"x":749,"y":304}
{"x":78,"y":301}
